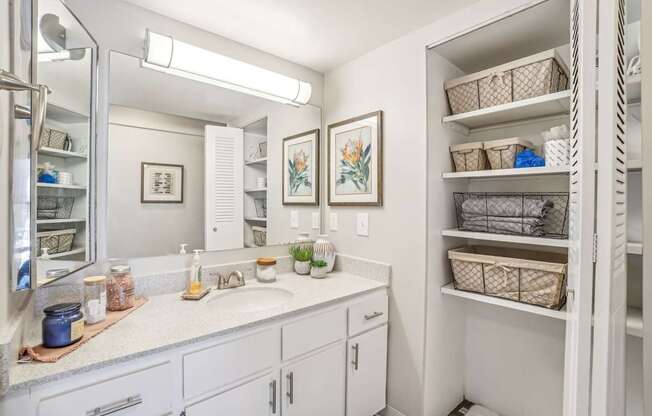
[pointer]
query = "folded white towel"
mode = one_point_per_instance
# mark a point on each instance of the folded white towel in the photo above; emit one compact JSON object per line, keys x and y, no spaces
{"x":477,"y":410}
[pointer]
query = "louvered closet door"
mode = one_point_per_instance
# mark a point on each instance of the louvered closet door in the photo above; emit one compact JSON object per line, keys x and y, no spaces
{"x":577,"y":366}
{"x":608,"y":379}
{"x":223,"y":188}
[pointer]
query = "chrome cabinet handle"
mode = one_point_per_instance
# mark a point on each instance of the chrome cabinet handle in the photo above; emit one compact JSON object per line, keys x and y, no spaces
{"x":356,"y":354}
{"x":371,"y":316}
{"x":111,"y":408}
{"x":272,"y":402}
{"x":290,"y":392}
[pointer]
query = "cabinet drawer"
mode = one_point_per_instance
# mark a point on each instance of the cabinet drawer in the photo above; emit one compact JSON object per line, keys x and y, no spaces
{"x":311,"y":333}
{"x":225,"y":363}
{"x":368,"y":314}
{"x":145,"y":392}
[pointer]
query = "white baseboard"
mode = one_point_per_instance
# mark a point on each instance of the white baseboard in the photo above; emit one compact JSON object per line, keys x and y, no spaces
{"x":390,"y":411}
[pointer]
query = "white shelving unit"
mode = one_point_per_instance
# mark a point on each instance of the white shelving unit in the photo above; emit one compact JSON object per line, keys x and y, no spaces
{"x":507,"y":173}
{"x":66,"y":253}
{"x":61,"y":221}
{"x":256,"y":166}
{"x":635,"y":322}
{"x":255,"y":190}
{"x":258,"y":162}
{"x":60,"y":186}
{"x":505,"y":238}
{"x":65,"y":154}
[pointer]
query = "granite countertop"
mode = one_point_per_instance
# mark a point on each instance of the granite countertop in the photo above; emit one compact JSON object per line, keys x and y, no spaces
{"x":166,"y":322}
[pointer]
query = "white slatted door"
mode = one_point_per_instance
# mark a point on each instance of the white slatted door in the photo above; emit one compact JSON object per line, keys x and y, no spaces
{"x":609,"y":336}
{"x":223,"y":188}
{"x":577,"y":366}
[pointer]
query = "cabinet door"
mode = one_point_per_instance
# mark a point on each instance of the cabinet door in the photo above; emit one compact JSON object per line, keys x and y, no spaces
{"x":367,"y":373}
{"x":256,"y":398}
{"x":315,"y":385}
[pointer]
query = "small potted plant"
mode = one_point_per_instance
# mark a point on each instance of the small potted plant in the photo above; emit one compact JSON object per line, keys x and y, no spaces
{"x":319,"y":269}
{"x":302,"y":256}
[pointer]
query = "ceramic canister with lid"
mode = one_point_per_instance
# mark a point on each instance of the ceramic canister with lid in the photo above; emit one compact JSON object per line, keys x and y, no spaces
{"x":62,"y":325}
{"x":120,"y":289}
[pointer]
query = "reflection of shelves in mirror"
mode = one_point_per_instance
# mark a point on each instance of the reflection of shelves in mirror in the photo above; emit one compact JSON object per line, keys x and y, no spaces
{"x":258,"y":162}
{"x":60,"y":221}
{"x":635,"y":322}
{"x":60,"y":186}
{"x":65,"y":253}
{"x":505,"y":238}
{"x":505,"y":303}
{"x":635,"y":248}
{"x":634,"y":88}
{"x":634,"y":165}
{"x":48,"y":151}
{"x":64,"y":115}
{"x":507,"y":173}
{"x":256,"y":219}
{"x":250,"y":245}
{"x":255,"y":190}
{"x":556,"y":104}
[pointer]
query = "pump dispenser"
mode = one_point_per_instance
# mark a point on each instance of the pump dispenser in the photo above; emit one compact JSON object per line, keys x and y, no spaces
{"x":194,"y":283}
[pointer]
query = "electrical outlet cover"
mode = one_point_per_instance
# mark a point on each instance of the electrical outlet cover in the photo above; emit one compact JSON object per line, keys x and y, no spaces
{"x":333,"y":221}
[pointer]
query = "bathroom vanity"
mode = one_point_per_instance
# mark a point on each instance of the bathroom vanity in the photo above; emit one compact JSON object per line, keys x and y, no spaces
{"x":299,"y":346}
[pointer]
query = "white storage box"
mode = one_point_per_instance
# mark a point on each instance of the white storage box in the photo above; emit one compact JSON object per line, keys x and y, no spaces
{"x":532,"y":76}
{"x":469,"y":157}
{"x":502,"y":153}
{"x":557,"y":152}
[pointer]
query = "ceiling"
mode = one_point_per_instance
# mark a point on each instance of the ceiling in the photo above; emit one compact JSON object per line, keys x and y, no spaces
{"x":136,"y":87}
{"x":317,"y":34}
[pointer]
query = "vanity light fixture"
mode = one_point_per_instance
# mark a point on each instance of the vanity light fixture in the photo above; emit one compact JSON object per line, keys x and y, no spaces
{"x":166,"y":54}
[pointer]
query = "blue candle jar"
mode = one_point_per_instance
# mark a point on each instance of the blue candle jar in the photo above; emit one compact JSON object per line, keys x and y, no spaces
{"x":63,"y":325}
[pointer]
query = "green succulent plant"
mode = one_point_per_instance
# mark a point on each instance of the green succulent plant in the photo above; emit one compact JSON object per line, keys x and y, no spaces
{"x":301,"y":253}
{"x":318,"y":263}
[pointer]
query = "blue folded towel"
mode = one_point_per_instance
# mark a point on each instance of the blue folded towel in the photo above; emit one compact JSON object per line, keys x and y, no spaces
{"x":528,"y":159}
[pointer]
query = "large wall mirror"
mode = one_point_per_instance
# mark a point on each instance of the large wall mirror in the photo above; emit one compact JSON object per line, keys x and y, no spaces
{"x":195,"y":166}
{"x":61,"y":224}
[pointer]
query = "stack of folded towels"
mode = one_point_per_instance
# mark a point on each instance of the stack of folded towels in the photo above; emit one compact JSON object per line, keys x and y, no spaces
{"x":506,"y":215}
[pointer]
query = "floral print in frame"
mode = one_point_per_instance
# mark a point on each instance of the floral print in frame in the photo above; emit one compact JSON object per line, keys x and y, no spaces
{"x":301,"y":169}
{"x":355,"y":161}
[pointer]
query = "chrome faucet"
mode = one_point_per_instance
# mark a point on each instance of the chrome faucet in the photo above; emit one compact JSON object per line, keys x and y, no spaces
{"x":230,"y":280}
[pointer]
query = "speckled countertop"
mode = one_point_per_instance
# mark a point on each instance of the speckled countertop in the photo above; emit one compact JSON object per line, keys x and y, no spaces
{"x":166,"y":322}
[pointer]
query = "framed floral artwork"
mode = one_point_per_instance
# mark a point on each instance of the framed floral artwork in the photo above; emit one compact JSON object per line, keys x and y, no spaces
{"x":355,"y":168}
{"x":301,"y":169}
{"x":161,"y":183}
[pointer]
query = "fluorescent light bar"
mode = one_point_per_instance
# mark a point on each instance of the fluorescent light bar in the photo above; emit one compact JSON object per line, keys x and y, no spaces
{"x":165,"y":54}
{"x":54,"y":56}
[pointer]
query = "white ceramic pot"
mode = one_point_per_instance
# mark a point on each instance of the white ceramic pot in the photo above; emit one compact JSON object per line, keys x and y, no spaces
{"x":324,"y":250}
{"x":302,"y":267}
{"x":318,"y":272}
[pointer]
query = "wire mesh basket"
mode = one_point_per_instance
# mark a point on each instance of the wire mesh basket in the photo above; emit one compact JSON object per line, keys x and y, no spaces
{"x":50,"y":207}
{"x":522,"y":213}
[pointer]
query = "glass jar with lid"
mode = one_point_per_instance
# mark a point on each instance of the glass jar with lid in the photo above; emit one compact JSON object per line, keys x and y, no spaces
{"x":266,"y":269}
{"x":95,"y":299}
{"x":120,"y":288}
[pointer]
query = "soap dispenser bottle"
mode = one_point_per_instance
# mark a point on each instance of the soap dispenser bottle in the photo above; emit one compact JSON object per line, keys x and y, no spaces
{"x":194,"y":283}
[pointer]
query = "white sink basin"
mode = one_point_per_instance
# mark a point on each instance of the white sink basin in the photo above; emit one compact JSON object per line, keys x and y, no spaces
{"x":250,"y":299}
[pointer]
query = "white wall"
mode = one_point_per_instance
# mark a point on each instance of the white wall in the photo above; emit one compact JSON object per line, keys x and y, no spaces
{"x":141,"y":230}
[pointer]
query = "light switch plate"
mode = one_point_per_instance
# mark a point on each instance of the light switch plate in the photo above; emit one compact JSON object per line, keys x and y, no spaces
{"x":294,"y":218}
{"x":362,"y":224}
{"x":315,"y":220}
{"x":333,"y":221}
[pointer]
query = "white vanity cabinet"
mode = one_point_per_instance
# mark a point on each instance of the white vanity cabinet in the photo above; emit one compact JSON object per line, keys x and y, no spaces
{"x":316,"y":385}
{"x":366,"y":374}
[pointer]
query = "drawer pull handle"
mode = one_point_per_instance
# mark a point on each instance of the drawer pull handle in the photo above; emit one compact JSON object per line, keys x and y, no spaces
{"x":290,"y":392}
{"x":272,"y":386}
{"x":356,"y":354}
{"x":111,"y":408}
{"x":371,"y":316}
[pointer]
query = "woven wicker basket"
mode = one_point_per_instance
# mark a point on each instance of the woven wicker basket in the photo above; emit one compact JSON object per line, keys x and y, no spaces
{"x":54,"y":139}
{"x":532,"y":76}
{"x":502,"y":153}
{"x":260,"y":236}
{"x":469,"y":157}
{"x":533,"y":277}
{"x":56,"y":241}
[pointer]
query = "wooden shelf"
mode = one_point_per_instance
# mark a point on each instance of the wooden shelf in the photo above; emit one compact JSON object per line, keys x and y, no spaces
{"x":635,"y":322}
{"x":532,"y":108}
{"x":64,"y":254}
{"x":256,"y":219}
{"x":634,"y":88}
{"x":59,"y":186}
{"x":255,"y":190}
{"x":634,"y":248}
{"x":260,"y":162}
{"x":60,"y":221}
{"x":449,"y":289}
{"x":507,"y":173}
{"x":48,"y":151}
{"x":505,"y":238}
